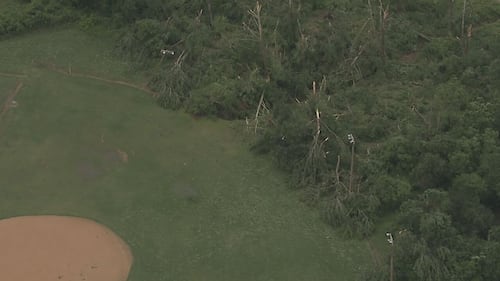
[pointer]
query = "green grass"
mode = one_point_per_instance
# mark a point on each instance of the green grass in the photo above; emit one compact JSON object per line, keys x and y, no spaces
{"x":192,"y":202}
{"x":66,"y":48}
{"x":7,"y":85}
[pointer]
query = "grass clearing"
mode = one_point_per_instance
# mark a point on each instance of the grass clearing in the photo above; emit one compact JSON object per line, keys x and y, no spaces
{"x":7,"y":85}
{"x":64,"y":47}
{"x":190,"y":199}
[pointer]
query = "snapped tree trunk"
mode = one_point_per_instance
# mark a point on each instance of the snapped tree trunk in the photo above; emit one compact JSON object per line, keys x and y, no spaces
{"x":383,"y":17}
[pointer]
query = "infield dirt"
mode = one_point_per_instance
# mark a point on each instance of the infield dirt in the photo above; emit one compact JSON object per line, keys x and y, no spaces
{"x":52,"y":248}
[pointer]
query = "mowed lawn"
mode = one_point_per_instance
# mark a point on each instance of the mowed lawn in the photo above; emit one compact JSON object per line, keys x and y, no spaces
{"x":187,"y":195}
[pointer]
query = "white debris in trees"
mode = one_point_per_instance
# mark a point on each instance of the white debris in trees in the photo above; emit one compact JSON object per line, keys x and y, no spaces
{"x":165,"y":51}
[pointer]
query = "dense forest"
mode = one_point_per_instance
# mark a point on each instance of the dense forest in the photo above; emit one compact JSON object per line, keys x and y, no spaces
{"x":376,"y":109}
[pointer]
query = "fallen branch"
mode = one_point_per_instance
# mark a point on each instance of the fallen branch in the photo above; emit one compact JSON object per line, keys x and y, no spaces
{"x":257,"y":113}
{"x":337,"y":168}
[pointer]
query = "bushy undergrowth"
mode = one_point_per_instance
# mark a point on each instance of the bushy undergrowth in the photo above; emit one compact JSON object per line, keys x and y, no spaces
{"x":17,"y":18}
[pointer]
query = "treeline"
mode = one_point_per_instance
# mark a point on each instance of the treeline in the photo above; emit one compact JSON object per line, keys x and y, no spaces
{"x":373,"y":109}
{"x":24,"y":16}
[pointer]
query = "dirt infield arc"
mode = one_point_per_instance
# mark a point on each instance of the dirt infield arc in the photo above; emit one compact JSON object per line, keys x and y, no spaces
{"x":59,"y":248}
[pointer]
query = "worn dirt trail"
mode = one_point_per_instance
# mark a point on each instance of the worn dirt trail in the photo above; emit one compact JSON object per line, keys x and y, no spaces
{"x":74,"y":73}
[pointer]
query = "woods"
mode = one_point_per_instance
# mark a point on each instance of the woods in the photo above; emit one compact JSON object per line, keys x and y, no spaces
{"x":373,"y":108}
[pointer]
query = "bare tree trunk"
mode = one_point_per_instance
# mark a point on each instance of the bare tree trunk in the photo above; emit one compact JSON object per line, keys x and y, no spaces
{"x":351,"y":174}
{"x":257,"y":113}
{"x":255,"y":13}
{"x":337,"y":175}
{"x":255,"y":28}
{"x":383,"y":17}
{"x":465,"y":37}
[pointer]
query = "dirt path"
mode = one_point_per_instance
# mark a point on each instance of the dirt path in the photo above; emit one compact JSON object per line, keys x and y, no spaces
{"x":13,"y":75}
{"x":118,"y":82}
{"x":71,"y":72}
{"x":59,"y":248}
{"x":8,"y":101}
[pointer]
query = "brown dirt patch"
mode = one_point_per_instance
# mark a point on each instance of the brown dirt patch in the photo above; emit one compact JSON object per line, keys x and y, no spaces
{"x":59,"y":248}
{"x":123,"y":156}
{"x":409,"y":57}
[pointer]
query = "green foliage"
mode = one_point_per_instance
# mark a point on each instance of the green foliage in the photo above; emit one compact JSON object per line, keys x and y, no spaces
{"x":289,"y":140}
{"x":494,"y":234}
{"x":431,"y":171}
{"x":172,"y":84}
{"x":145,"y":40}
{"x":38,"y":13}
{"x":490,"y":157}
{"x":94,"y":23}
{"x":427,"y":217}
{"x":352,"y":213}
{"x":471,"y":216}
{"x":401,"y":36}
{"x":424,"y":247}
{"x":390,"y":191}
{"x":489,"y":261}
{"x":485,"y":11}
{"x":220,"y":99}
{"x":398,"y":155}
{"x":441,"y":48}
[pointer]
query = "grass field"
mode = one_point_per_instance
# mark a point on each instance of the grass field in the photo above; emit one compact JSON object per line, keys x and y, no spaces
{"x":187,"y":195}
{"x":7,"y":85}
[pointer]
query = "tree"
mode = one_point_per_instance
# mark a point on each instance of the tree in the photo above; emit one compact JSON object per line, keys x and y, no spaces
{"x":425,"y":245}
{"x":470,"y":214}
{"x":390,"y":191}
